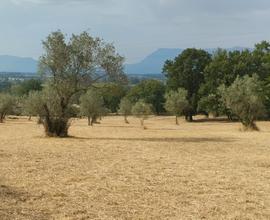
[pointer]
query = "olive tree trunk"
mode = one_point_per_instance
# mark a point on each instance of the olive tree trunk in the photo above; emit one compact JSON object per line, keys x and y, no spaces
{"x":176,"y":120}
{"x":189,"y":117}
{"x":250,"y":126}
{"x":126,"y":121}
{"x":89,"y":121}
{"x":56,"y":127}
{"x":2,"y":117}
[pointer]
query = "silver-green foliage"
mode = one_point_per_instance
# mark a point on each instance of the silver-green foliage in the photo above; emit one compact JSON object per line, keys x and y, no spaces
{"x":125,"y":108}
{"x":176,"y":102}
{"x":92,"y":106}
{"x":245,"y":99}
{"x":71,"y":66}
{"x":32,"y":104}
{"x":7,"y":105}
{"x":142,"y":110}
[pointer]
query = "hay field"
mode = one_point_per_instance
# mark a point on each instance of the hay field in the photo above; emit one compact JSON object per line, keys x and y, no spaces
{"x":207,"y":170}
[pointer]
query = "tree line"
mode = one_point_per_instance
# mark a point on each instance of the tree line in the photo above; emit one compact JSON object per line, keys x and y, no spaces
{"x":83,"y":77}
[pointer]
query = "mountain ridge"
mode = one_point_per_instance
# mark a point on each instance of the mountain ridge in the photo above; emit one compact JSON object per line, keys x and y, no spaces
{"x":9,"y":63}
{"x":151,"y":64}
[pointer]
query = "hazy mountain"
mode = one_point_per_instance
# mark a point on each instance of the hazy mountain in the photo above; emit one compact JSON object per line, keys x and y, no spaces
{"x":17,"y":64}
{"x":153,"y":63}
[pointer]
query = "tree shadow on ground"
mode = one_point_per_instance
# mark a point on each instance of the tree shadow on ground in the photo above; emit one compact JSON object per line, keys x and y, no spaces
{"x":167,"y":140}
{"x":217,"y":120}
{"x":116,"y":126}
{"x":13,"y":205}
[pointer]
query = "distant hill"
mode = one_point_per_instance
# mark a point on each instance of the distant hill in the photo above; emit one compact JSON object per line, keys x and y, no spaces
{"x":154,"y":62}
{"x":18,"y":64}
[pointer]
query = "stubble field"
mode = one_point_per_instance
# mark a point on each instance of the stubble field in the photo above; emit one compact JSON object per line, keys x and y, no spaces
{"x":207,"y":170}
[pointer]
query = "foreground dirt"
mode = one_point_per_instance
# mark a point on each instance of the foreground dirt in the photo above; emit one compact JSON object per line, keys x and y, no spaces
{"x":207,"y":170}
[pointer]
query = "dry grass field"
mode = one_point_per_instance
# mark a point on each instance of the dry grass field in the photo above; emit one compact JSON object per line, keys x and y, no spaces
{"x":207,"y":170}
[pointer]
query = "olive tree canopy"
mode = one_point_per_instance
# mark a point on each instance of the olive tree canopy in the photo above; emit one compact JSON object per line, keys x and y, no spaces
{"x":125,"y":108}
{"x":245,"y":99}
{"x":142,"y":110}
{"x":7,"y":104}
{"x":70,"y":68}
{"x":92,"y":106}
{"x":176,"y":102}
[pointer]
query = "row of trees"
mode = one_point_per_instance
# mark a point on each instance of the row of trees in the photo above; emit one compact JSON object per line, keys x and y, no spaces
{"x":244,"y":98}
{"x":232,"y":83}
{"x":235,"y":84}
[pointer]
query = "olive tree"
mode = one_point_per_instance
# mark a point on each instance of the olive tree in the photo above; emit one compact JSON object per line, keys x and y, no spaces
{"x":70,"y":67}
{"x":125,"y":108}
{"x":31,"y":104}
{"x":92,"y":106}
{"x":176,"y":102}
{"x":245,"y":99}
{"x":142,"y":110}
{"x":7,"y":104}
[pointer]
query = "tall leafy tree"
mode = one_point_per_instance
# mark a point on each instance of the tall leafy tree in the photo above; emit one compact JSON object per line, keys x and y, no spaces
{"x":71,"y":67}
{"x":187,"y":71}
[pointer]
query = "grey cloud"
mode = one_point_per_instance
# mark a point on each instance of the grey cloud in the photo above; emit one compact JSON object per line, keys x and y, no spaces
{"x":136,"y":26}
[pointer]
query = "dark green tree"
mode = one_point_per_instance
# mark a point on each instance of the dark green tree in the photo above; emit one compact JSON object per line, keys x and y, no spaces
{"x":151,"y":91}
{"x":187,"y":71}
{"x":112,"y":94}
{"x":26,"y":86}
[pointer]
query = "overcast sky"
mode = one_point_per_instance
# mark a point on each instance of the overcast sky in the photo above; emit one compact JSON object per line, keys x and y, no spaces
{"x":136,"y":27}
